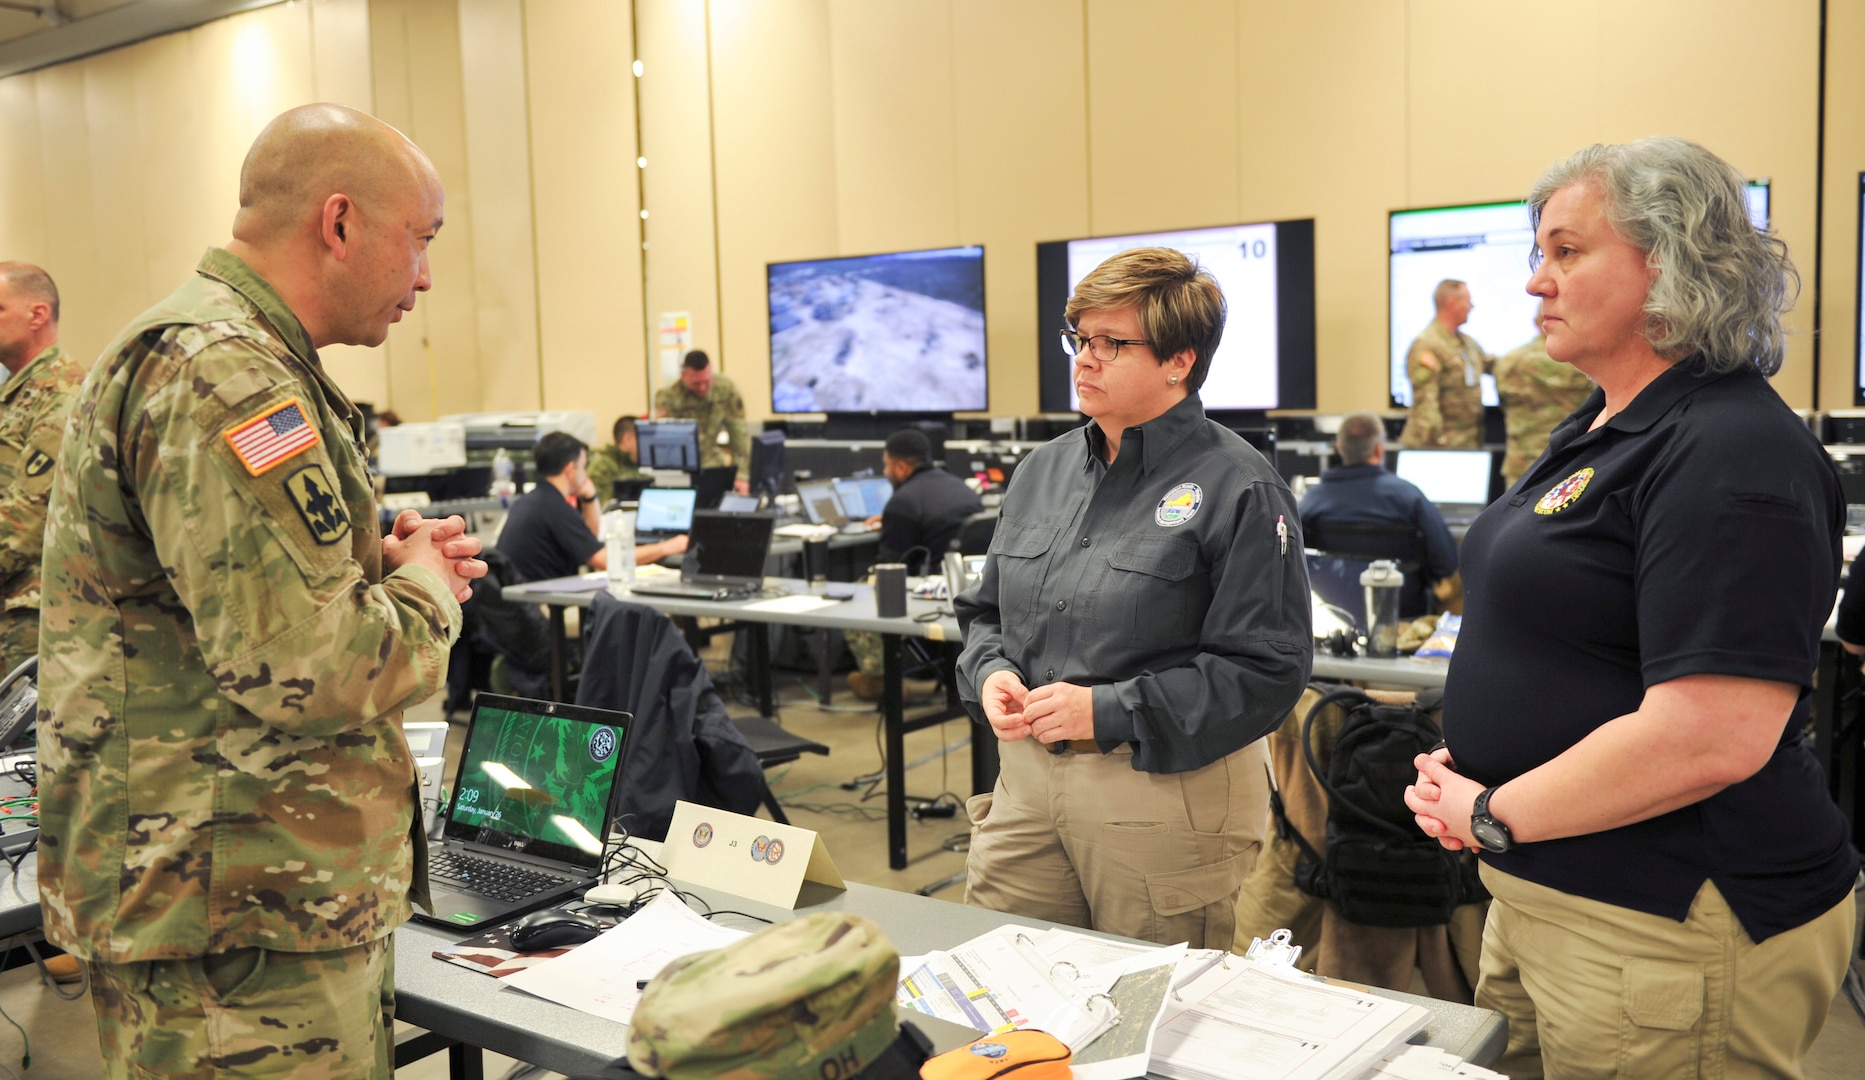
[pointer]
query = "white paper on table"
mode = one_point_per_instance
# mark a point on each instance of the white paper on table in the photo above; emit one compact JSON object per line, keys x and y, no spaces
{"x":1430,"y":1063}
{"x":1100,"y":959}
{"x":1248,"y":1022}
{"x":992,"y":984}
{"x":599,"y":976}
{"x":1140,"y":990}
{"x":792,"y":604}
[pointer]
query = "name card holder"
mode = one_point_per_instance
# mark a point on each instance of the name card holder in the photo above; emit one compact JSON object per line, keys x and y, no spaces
{"x":746,"y":856}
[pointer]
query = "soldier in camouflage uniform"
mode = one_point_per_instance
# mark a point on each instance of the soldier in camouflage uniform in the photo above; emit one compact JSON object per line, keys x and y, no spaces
{"x":228,"y":803}
{"x":713,"y":401}
{"x":617,"y":461}
{"x":1537,"y":393}
{"x":1446,"y":367}
{"x":41,"y":381}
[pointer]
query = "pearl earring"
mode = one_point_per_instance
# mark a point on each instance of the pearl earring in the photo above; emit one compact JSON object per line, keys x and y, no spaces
{"x":1172,"y":380}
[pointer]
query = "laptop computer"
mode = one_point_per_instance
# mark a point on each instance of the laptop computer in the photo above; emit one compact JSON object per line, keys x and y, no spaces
{"x":1458,"y":481}
{"x":734,"y":503}
{"x":822,"y":505}
{"x":533,"y":800}
{"x":724,"y":558}
{"x":712,"y":484}
{"x":663,"y":513}
{"x":866,"y":496}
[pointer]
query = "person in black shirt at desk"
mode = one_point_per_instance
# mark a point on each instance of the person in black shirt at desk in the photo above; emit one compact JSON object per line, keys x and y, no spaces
{"x":927,"y":508}
{"x":555,"y":529}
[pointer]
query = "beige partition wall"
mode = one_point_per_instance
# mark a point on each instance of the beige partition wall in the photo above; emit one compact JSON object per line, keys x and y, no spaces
{"x":1845,"y":160}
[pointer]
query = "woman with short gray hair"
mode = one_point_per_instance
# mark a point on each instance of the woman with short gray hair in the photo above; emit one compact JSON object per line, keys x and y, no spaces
{"x":1642,"y":619}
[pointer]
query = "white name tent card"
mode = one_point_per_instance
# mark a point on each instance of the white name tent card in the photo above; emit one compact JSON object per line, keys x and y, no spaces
{"x":746,"y":856}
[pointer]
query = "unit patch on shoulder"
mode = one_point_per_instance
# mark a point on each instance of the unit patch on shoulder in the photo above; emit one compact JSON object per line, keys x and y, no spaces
{"x":1179,"y":506}
{"x":1564,"y":494}
{"x":37,"y":462}
{"x":315,"y":497}
{"x":276,"y":435}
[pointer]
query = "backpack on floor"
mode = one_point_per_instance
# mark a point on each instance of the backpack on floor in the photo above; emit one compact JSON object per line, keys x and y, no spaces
{"x":1379,"y":868}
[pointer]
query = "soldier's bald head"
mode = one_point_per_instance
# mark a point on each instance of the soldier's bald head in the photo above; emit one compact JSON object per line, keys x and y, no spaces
{"x":312,"y":152}
{"x":26,"y":283}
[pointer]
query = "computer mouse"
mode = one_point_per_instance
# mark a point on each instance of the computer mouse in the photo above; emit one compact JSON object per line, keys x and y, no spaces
{"x":553,"y":928}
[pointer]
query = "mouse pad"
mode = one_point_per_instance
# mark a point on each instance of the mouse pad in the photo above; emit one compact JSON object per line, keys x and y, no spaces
{"x":492,"y":953}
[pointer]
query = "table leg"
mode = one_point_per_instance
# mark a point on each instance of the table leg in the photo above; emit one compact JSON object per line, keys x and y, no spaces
{"x":760,"y":662}
{"x":893,"y":709}
{"x":559,"y":653}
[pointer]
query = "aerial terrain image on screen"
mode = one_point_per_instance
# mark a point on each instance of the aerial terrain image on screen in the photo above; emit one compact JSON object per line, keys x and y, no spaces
{"x":883,"y":336}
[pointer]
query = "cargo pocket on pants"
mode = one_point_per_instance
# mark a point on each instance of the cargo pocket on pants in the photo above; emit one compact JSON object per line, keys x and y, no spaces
{"x":1179,"y":897}
{"x":1663,"y":1005}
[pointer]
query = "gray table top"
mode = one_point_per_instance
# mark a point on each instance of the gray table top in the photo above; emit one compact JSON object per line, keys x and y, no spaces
{"x":1400,"y":671}
{"x":444,"y":997}
{"x":854,"y":613}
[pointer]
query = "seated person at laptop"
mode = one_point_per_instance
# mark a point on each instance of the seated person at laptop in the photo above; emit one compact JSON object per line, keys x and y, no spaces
{"x":620,"y":460}
{"x":927,"y":508}
{"x":1362,"y":491}
{"x":922,"y":519}
{"x":554,"y":530}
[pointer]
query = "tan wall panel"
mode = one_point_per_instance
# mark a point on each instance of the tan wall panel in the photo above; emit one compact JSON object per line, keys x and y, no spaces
{"x":340,"y":53}
{"x":499,"y":197}
{"x":70,"y":225}
{"x":1162,"y":110}
{"x":587,"y":205}
{"x":1322,"y":132}
{"x":896,"y":149}
{"x":110,"y":129}
{"x":677,"y":186}
{"x":23,"y":233}
{"x":1021,"y":135}
{"x":1845,"y":160}
{"x":774,"y":133}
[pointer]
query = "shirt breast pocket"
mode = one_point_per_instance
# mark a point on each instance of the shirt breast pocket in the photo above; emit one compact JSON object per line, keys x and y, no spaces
{"x":1154,"y":588}
{"x":1022,"y":552}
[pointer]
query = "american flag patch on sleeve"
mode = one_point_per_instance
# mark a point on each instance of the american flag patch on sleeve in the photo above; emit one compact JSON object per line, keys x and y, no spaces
{"x":273,"y":436}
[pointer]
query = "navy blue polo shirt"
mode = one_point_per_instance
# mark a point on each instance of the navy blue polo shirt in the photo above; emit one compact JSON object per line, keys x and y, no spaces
{"x":545,"y":537}
{"x":1697,"y":532}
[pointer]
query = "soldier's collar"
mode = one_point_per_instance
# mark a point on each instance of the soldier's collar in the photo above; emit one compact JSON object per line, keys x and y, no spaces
{"x":16,"y":379}
{"x":224,"y":266}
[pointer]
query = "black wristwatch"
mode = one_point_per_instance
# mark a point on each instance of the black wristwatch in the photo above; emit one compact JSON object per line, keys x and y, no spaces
{"x":1492,"y":834}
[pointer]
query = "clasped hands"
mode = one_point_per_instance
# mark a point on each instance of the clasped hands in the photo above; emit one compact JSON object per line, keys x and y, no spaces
{"x":440,"y":544}
{"x":1440,"y":800}
{"x":1050,"y":713}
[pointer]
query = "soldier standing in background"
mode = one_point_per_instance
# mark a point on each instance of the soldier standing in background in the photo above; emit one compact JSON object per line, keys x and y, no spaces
{"x":1537,"y":392}
{"x":35,"y":399}
{"x":1446,"y":367}
{"x":712,"y":400}
{"x":228,"y":805}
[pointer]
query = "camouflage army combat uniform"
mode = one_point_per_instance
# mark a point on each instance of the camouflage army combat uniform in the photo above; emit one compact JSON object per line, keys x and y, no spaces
{"x":226,"y":794}
{"x":720,"y":410}
{"x":1537,"y":393}
{"x":1447,"y":395}
{"x":33,"y":405}
{"x":607,"y":464}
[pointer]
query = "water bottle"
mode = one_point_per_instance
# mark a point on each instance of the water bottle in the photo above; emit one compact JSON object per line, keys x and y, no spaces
{"x":1382,"y":581}
{"x":622,"y":551}
{"x":502,"y":487}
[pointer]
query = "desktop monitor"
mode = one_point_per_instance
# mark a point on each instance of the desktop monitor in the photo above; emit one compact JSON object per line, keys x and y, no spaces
{"x":767,"y":463}
{"x":1267,"y":271}
{"x":1486,"y":246}
{"x":897,"y":332}
{"x":667,"y":444}
{"x":1449,"y":477}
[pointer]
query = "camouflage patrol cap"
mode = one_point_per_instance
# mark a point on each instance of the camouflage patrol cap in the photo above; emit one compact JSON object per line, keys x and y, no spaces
{"x":811,"y":998}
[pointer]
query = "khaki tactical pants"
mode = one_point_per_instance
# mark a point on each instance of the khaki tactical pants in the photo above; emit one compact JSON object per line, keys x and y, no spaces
{"x":1084,"y":840}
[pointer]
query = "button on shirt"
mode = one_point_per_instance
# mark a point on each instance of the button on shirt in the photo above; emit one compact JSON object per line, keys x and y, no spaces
{"x":1161,"y":581}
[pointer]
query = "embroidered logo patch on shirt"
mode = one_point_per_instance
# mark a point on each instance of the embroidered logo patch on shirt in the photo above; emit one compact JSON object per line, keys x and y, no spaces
{"x":315,"y":497}
{"x":272,"y":437}
{"x":1563,"y":495}
{"x":38,"y":462}
{"x":1179,"y":506}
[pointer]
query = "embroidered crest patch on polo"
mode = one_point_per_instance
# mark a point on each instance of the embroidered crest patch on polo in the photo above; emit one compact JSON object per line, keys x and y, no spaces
{"x":1564,"y":494}
{"x":1179,"y":506}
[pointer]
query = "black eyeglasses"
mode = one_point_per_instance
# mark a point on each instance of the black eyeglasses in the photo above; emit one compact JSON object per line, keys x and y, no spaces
{"x":1100,"y":346}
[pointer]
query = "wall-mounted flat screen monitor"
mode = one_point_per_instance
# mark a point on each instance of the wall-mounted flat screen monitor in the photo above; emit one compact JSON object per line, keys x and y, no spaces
{"x":900,"y":332}
{"x":668,"y":444}
{"x":1486,"y":246}
{"x":1267,"y":271}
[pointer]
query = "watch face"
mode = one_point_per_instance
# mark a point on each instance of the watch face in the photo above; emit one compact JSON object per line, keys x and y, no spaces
{"x":1489,"y":835}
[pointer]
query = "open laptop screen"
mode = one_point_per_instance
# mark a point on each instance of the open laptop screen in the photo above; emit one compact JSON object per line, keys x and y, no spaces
{"x":865,"y":497}
{"x":665,"y":509}
{"x":537,"y":777}
{"x":1448,"y":477}
{"x":820,"y":503}
{"x":729,"y":546}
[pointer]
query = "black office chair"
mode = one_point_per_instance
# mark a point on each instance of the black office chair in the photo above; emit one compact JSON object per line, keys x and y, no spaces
{"x":774,"y":746}
{"x":1339,"y":551}
{"x":974,"y":536}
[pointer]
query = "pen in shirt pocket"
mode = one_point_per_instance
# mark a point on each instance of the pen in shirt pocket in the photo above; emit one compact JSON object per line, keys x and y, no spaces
{"x":1282,"y":533}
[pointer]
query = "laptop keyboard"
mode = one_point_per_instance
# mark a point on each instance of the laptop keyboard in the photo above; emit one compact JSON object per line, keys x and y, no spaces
{"x":489,"y":877}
